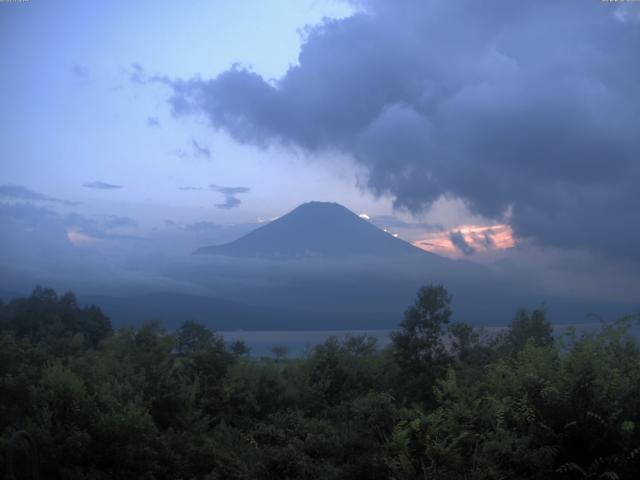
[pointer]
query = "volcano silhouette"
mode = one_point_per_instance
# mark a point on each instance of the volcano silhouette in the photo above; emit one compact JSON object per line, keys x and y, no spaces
{"x":317,"y":229}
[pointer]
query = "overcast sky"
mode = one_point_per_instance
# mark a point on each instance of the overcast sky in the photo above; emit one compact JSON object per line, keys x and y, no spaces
{"x":497,"y":131}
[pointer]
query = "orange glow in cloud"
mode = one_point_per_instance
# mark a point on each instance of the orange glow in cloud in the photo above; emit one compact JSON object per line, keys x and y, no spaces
{"x":481,"y":238}
{"x":80,"y":239}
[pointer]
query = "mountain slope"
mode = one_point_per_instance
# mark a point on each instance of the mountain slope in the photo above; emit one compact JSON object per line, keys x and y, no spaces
{"x":316,"y":229}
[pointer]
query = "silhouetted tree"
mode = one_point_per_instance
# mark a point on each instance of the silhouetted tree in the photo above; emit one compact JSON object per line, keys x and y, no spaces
{"x":418,"y":347}
{"x":529,"y":326}
{"x":193,"y":337}
{"x":463,"y":339}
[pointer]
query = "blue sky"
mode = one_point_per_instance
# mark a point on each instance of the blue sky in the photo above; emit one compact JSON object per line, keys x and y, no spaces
{"x":72,"y":116}
{"x":68,"y":86}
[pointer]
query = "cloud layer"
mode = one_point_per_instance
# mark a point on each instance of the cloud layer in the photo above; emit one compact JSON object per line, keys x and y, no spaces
{"x":102,"y":186}
{"x":19,"y":192}
{"x":199,"y":150}
{"x":531,"y":108}
{"x":231,"y":199}
{"x":458,"y":241}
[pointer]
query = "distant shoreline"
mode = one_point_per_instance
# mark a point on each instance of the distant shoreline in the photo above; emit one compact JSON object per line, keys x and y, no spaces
{"x":261,"y":342}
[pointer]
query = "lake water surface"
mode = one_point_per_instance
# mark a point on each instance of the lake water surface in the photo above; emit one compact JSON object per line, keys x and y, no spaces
{"x":298,"y":342}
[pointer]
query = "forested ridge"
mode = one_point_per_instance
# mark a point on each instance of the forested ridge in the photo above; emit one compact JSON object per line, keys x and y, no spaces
{"x":442,"y":401}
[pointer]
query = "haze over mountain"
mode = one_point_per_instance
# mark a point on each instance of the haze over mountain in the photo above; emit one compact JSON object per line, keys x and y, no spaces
{"x":330,"y":268}
{"x":317,"y":229}
{"x":318,"y":267}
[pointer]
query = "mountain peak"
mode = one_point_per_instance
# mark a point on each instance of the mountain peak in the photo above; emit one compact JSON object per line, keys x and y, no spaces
{"x":318,"y":205}
{"x":321,"y":211}
{"x":316,"y":229}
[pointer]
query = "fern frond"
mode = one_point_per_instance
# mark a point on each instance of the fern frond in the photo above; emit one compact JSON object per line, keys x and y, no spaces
{"x":571,"y":467}
{"x":597,"y":418}
{"x":609,"y":476}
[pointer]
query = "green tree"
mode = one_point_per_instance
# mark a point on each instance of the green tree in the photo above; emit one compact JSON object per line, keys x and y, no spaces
{"x":280,"y":352}
{"x":529,"y":326}
{"x":418,"y":347}
{"x":194,"y":337}
{"x":463,"y":339}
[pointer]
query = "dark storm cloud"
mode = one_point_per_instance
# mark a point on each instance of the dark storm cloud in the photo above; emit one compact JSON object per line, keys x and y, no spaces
{"x":102,"y":186}
{"x":19,"y":192}
{"x":526,"y":107}
{"x":230,"y":195}
{"x":458,"y":241}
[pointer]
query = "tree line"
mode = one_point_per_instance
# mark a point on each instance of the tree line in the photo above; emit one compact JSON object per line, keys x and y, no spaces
{"x":441,"y":401}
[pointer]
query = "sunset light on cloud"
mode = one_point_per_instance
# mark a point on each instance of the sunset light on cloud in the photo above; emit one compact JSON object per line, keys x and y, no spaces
{"x":478,"y":238}
{"x":80,"y":239}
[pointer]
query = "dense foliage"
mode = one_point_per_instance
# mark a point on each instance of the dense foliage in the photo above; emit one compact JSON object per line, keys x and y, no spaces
{"x":442,"y":401}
